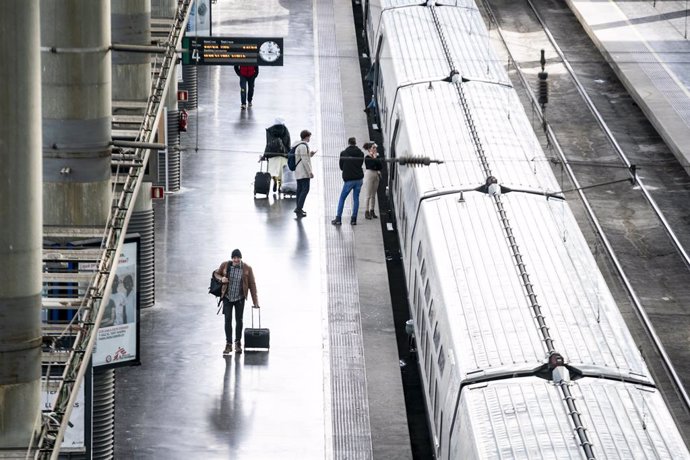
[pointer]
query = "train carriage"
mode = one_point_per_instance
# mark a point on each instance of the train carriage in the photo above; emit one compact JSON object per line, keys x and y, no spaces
{"x":522,"y":350}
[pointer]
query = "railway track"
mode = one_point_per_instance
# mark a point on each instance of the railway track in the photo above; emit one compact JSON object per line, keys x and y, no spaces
{"x":646,"y":223}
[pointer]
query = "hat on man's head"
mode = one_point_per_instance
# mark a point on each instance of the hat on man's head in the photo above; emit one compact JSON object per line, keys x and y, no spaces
{"x":278,"y":121}
{"x":236,"y":253}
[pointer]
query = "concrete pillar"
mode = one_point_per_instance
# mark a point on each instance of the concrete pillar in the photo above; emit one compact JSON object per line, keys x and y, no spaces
{"x":163,"y":8}
{"x":76,"y":111}
{"x":168,"y":9}
{"x":21,"y":218}
{"x":131,"y":24}
{"x":143,"y":223}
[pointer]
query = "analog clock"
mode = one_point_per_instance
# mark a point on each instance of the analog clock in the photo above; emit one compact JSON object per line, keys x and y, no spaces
{"x":269,"y":51}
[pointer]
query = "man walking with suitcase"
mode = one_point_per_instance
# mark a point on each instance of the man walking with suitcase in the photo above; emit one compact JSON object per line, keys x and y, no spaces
{"x":238,"y":281}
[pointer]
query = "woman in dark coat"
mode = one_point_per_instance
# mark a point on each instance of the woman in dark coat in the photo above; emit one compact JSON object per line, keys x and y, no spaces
{"x":277,"y":146}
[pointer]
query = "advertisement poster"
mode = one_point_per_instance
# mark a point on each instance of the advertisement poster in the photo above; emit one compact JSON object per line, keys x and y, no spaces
{"x":118,"y":336}
{"x":200,"y":19}
{"x":74,"y":434}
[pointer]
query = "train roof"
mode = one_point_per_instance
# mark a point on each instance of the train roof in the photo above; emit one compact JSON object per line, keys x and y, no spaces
{"x":484,"y":297}
{"x":436,"y":121}
{"x":524,"y":418}
{"x":416,"y":52}
{"x":418,"y":49}
{"x":435,"y":126}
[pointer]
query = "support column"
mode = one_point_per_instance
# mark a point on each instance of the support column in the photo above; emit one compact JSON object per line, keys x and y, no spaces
{"x":168,"y":9}
{"x":143,"y":223}
{"x":75,"y":35}
{"x":21,"y":231}
{"x":131,"y":23}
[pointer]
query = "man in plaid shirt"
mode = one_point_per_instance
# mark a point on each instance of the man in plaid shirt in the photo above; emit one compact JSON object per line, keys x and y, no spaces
{"x":238,"y":281}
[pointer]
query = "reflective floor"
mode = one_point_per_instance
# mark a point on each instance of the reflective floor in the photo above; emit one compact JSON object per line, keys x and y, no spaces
{"x":295,"y":401}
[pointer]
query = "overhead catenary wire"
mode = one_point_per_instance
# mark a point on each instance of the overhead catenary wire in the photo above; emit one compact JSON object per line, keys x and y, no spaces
{"x":638,"y":308}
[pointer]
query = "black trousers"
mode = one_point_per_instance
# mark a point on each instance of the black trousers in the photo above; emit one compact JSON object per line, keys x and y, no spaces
{"x":302,"y":192}
{"x":228,"y":306}
{"x":246,"y":89}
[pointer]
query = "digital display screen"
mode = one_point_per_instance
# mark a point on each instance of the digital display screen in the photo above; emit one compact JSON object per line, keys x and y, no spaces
{"x":232,"y":51}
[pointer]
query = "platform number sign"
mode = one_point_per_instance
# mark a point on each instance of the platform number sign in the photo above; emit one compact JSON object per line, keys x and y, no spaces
{"x":264,"y":51}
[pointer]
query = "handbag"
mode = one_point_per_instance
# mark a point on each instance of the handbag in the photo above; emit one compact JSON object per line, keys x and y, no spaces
{"x":216,"y":287}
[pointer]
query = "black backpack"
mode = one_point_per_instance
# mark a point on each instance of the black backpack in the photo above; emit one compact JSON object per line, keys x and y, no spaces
{"x":274,"y":148}
{"x":216,"y":287}
{"x":291,"y":157}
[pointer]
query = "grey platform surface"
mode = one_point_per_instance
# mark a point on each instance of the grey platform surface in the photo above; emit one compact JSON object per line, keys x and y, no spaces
{"x":330,"y":385}
{"x":647,"y":45}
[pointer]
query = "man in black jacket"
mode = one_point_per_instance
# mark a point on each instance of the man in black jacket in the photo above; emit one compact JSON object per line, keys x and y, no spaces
{"x":351,"y":160}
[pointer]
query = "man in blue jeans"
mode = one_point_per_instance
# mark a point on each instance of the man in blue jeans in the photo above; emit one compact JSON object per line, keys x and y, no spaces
{"x":351,"y":160}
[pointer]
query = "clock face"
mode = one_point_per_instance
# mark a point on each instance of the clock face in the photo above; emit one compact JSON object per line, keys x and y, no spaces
{"x":269,"y":51}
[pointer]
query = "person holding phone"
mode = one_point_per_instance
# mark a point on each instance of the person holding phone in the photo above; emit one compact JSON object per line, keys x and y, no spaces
{"x":303,"y":170}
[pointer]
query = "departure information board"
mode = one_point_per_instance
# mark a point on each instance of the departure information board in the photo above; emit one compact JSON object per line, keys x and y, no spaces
{"x":232,"y":51}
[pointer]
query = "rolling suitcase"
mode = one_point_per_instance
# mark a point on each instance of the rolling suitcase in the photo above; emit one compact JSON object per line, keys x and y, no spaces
{"x":256,"y":337}
{"x":262,"y":180}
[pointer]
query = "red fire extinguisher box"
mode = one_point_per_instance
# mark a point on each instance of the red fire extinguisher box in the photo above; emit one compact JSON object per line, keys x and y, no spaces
{"x":184,"y":118}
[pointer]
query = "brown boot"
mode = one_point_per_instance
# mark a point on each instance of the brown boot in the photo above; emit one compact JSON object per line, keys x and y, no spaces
{"x":238,"y":346}
{"x":367,"y":215}
{"x":373,"y":214}
{"x":228,"y":349}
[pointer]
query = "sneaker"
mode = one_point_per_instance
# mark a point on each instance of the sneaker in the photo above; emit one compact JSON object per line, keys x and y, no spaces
{"x":300,"y":213}
{"x":243,"y":106}
{"x":228,"y":349}
{"x":367,"y":215}
{"x":353,"y":221}
{"x":250,"y":103}
{"x":238,"y":346}
{"x":336,"y":221}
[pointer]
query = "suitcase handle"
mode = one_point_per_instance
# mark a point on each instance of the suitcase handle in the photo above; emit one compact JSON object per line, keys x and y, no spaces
{"x":254,"y":307}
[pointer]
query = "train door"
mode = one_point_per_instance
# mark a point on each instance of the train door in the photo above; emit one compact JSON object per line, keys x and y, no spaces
{"x":365,"y":20}
{"x":393,"y":170}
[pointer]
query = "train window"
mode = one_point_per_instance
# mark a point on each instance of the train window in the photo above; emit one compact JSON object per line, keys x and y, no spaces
{"x":403,"y":221}
{"x":381,"y":103}
{"x":432,"y":310}
{"x":441,"y":361}
{"x":440,"y":431}
{"x":427,"y":358}
{"x":419,"y":304}
{"x":391,"y":153}
{"x":419,"y":252}
{"x":422,"y":270}
{"x":432,"y":377}
{"x":437,"y":335}
{"x":436,"y":398}
{"x":427,"y":292}
{"x":377,"y":58}
{"x":423,"y":324}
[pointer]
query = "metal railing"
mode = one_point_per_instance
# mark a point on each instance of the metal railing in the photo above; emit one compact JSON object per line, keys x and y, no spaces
{"x":54,"y":424}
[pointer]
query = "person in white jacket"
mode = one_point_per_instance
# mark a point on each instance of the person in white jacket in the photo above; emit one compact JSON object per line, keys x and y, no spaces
{"x":303,"y":171}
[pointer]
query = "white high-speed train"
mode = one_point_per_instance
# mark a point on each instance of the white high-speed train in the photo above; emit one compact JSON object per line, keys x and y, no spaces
{"x":522,"y":350}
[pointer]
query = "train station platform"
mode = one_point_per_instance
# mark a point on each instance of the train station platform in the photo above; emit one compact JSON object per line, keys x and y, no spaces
{"x":648,"y":47}
{"x":330,"y":385}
